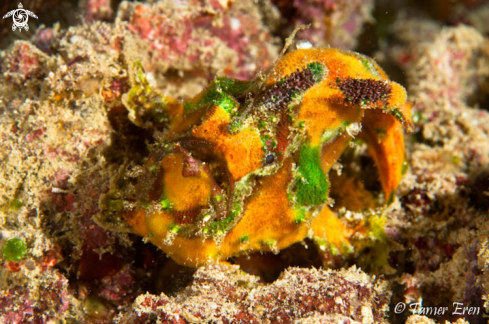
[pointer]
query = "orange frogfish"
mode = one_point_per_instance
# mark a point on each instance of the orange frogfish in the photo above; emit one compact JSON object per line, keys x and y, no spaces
{"x":244,"y":165}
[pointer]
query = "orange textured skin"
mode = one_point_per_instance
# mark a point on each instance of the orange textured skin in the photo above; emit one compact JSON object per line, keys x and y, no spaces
{"x":185,"y":193}
{"x":242,"y":151}
{"x":385,"y":147}
{"x":274,"y":230}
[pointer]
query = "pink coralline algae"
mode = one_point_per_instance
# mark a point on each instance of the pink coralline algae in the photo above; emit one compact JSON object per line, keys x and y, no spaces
{"x":96,"y":10}
{"x":22,"y":63}
{"x":19,"y":306}
{"x":188,"y":37}
{"x":117,"y":287}
{"x":335,"y":23}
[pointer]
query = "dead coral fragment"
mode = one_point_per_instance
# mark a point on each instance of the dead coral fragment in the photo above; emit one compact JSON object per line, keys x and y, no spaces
{"x":244,"y":165}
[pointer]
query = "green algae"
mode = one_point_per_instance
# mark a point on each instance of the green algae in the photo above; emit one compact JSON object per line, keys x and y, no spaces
{"x":14,"y":250}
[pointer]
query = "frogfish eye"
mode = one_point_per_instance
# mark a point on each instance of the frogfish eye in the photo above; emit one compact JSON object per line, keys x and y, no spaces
{"x":269,"y":159}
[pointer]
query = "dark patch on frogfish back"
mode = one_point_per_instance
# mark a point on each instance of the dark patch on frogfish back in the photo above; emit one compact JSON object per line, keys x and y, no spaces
{"x":358,"y":91}
{"x":186,"y":217}
{"x":191,"y":167}
{"x":282,"y":136}
{"x":279,"y":95}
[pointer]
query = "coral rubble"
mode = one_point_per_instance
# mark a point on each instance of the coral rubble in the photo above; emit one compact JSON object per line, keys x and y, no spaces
{"x":442,"y":216}
{"x":88,"y":104}
{"x":223,"y":294}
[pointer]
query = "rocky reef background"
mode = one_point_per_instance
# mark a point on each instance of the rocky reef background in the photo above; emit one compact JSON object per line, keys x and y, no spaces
{"x":65,"y":132}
